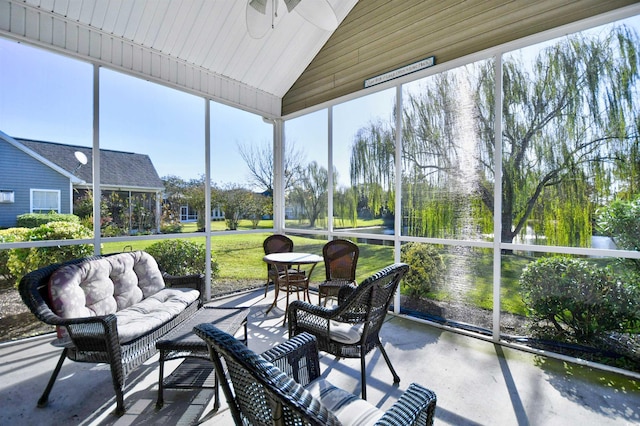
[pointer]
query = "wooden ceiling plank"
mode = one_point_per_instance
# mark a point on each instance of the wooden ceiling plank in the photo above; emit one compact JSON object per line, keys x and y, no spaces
{"x":448,"y":30}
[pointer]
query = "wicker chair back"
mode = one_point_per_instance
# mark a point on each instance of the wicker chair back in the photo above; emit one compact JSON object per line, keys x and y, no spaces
{"x":276,"y":243}
{"x":259,"y":392}
{"x":340,"y":260}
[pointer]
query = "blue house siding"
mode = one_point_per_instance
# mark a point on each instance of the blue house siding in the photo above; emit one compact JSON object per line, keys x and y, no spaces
{"x":19,"y":172}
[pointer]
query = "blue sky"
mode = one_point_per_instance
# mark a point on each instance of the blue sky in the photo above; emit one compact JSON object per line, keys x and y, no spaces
{"x":48,"y":96}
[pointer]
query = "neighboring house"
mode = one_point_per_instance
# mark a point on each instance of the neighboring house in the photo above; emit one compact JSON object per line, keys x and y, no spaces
{"x":189,"y":214}
{"x":40,"y":177}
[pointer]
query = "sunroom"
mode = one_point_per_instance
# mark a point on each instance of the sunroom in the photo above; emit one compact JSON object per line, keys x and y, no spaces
{"x":387,"y":124}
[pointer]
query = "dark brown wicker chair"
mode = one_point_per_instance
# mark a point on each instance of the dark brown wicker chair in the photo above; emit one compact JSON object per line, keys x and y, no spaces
{"x":280,"y":386}
{"x":351,"y":329}
{"x":340,"y":261}
{"x":276,"y":243}
{"x":95,"y":339}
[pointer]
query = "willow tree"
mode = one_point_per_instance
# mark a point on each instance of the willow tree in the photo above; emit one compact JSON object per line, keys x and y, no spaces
{"x":570,"y":127}
{"x":569,"y":118}
{"x":435,"y":168}
{"x":372,"y":167}
{"x":311,"y":192}
{"x":345,"y":206}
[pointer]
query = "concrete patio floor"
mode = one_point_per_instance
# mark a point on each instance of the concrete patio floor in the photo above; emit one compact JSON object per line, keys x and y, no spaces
{"x":477,"y":382}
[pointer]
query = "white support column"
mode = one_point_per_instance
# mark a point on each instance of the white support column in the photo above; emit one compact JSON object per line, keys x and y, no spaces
{"x":331,"y":183}
{"x":158,"y":211}
{"x":207,"y":196}
{"x":278,"y":175}
{"x":95,"y":158}
{"x":398,"y":184}
{"x":497,"y":197}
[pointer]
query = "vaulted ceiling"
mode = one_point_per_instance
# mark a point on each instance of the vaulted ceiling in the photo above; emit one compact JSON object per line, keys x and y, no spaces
{"x":204,"y":47}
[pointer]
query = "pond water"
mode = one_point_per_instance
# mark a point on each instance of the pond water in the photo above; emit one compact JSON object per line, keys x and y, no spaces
{"x":597,"y":241}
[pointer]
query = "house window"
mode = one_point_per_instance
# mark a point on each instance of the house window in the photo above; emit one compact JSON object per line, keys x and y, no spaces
{"x":187,"y":214}
{"x":6,"y":196}
{"x":45,"y":200}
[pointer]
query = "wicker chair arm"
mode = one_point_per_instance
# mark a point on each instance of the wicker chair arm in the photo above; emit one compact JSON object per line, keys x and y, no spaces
{"x":90,"y":337}
{"x":91,"y":327}
{"x":195,"y":281}
{"x":108,"y":320}
{"x":416,"y":406}
{"x":345,"y":292}
{"x":321,"y":311}
{"x":316,"y":317}
{"x":311,"y":309}
{"x":297,"y":358}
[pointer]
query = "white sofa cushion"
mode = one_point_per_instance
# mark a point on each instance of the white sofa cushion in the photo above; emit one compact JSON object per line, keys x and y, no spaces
{"x":129,"y":285}
{"x":153,"y":311}
{"x":104,"y":286}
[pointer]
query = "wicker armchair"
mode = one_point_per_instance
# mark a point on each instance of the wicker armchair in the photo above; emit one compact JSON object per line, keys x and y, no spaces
{"x":340,"y":260}
{"x":282,"y":387}
{"x":276,"y":243}
{"x":351,"y":329}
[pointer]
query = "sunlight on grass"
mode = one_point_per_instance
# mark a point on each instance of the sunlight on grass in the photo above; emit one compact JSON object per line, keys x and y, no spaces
{"x":239,"y":257}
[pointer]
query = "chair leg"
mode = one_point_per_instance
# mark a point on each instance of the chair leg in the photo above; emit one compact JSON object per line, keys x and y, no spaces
{"x":396,"y":378}
{"x":117,"y":377}
{"x":266,"y":286}
{"x":363,"y":375}
{"x":45,"y":395}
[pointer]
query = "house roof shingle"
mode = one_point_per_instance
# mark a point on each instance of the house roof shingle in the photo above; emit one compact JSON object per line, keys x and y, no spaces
{"x":117,"y":168}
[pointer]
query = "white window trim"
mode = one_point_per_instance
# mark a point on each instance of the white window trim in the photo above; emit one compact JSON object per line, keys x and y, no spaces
{"x":32,"y":190}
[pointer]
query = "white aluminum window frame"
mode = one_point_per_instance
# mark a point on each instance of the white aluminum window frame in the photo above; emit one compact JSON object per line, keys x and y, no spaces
{"x":34,"y":209}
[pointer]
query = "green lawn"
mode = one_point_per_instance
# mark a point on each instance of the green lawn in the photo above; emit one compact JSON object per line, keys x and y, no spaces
{"x":239,"y":257}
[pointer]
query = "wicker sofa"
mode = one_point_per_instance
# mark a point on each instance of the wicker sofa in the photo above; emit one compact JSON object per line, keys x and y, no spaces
{"x":109,"y":309}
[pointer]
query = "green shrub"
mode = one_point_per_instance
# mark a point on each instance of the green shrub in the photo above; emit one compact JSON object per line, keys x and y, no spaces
{"x":574,"y":300}
{"x":620,"y":220}
{"x":112,"y":230}
{"x":171,"y":228}
{"x":9,"y":236}
{"x":426,"y":268}
{"x":23,"y":260}
{"x":181,"y":257}
{"x":32,"y":220}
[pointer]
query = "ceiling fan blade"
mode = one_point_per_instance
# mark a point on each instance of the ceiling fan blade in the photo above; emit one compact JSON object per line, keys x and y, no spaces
{"x":291,"y":4}
{"x":259,"y":17}
{"x":318,"y":12}
{"x":259,"y":5}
